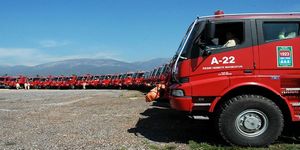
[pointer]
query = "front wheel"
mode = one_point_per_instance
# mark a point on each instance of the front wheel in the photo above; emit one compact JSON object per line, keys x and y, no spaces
{"x":250,"y":120}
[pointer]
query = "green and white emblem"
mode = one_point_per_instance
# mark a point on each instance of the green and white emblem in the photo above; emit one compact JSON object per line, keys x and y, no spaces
{"x":285,"y":56}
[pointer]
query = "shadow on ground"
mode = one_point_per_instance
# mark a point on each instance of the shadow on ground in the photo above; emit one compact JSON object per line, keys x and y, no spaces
{"x":161,"y":124}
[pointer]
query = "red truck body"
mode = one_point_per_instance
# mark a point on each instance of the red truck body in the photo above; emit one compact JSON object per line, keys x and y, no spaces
{"x":67,"y":82}
{"x":250,"y":87}
{"x":127,"y":80}
{"x":35,"y":82}
{"x":45,"y":83}
{"x":151,"y":79}
{"x":159,"y":77}
{"x":83,"y":80}
{"x":113,"y":78}
{"x":138,"y":79}
{"x":12,"y":81}
{"x":55,"y":82}
{"x":106,"y":81}
{"x":165,"y":72}
{"x":3,"y":81}
{"x":116,"y":81}
{"x":94,"y":81}
{"x":146,"y":80}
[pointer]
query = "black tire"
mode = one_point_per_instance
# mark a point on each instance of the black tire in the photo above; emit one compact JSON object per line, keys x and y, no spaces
{"x":250,"y":120}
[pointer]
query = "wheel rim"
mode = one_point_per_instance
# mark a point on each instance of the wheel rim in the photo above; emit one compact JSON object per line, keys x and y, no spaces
{"x":251,"y":123}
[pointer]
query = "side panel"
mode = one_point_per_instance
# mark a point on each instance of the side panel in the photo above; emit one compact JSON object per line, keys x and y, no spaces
{"x":270,"y":55}
{"x":209,"y":76}
{"x":278,"y":58}
{"x":210,"y":79}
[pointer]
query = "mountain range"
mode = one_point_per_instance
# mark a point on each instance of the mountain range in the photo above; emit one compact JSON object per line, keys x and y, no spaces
{"x":82,"y":66}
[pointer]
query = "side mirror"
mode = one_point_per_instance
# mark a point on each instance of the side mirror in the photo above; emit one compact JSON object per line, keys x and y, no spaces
{"x":211,"y":29}
{"x":206,"y":52}
{"x":182,"y":58}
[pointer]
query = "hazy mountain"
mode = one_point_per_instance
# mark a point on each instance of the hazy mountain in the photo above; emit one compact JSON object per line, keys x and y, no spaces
{"x":150,"y":64}
{"x":82,"y":66}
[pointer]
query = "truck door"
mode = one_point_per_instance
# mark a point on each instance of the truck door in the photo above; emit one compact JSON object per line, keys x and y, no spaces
{"x":230,"y":54}
{"x":278,"y":46}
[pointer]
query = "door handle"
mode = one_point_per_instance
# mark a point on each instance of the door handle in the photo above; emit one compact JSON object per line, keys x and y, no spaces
{"x":248,"y":71}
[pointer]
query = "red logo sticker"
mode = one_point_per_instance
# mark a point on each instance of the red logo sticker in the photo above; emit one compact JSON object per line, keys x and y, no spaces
{"x":285,"y":54}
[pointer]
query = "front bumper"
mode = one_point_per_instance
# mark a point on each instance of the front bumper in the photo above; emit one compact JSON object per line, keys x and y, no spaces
{"x":181,"y":103}
{"x":188,"y":102}
{"x":184,"y":102}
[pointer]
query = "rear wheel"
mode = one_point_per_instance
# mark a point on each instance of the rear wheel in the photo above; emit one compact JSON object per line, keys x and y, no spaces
{"x":250,"y":120}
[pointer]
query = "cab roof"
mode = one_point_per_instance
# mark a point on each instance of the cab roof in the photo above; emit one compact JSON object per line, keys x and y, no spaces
{"x":288,"y":15}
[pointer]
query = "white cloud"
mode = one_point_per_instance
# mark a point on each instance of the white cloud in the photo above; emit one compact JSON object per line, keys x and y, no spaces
{"x":20,"y":56}
{"x":32,"y":56}
{"x":52,"y":43}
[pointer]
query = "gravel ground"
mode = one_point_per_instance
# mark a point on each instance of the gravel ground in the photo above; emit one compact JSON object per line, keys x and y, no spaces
{"x":80,"y":119}
{"x":96,"y":119}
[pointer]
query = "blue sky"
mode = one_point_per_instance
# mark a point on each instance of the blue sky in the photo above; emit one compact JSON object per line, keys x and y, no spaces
{"x":39,"y":31}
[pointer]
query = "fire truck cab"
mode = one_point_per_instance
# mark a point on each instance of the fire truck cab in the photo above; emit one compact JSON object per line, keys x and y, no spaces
{"x":106,"y":81}
{"x":127,"y":80}
{"x":3,"y":80}
{"x":242,"y":70}
{"x":138,"y":78}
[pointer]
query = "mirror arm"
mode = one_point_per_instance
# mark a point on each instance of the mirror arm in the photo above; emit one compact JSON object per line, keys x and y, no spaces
{"x":183,"y":58}
{"x":206,"y":53}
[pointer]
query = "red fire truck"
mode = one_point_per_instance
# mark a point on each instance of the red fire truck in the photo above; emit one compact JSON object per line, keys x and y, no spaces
{"x":116,"y":81}
{"x":146,"y":80}
{"x":72,"y":81}
{"x":94,"y":82}
{"x":67,"y":82}
{"x":35,"y":82}
{"x":160,"y":75}
{"x":242,"y":71}
{"x":12,"y":81}
{"x":3,"y":81}
{"x":81,"y":80}
{"x":106,"y":81}
{"x":55,"y":82}
{"x":164,"y":74}
{"x":127,"y":80}
{"x":113,"y":78}
{"x":138,"y":79}
{"x":151,"y":78}
{"x":45,"y":83}
{"x":101,"y":79}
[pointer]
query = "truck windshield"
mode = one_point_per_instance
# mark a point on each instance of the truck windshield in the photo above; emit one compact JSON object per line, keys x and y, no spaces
{"x":102,"y":77}
{"x":129,"y":75}
{"x":36,"y":79}
{"x":140,"y":75}
{"x":107,"y":77}
{"x":135,"y":75}
{"x":198,"y":28}
{"x":183,"y":51}
{"x":159,"y":71}
{"x":183,"y":40}
{"x":66,"y":79}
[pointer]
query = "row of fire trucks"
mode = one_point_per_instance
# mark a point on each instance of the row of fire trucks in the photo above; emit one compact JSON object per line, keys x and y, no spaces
{"x":240,"y":70}
{"x":129,"y":80}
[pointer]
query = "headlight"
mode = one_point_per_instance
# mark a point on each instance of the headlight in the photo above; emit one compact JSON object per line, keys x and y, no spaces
{"x":178,"y":93}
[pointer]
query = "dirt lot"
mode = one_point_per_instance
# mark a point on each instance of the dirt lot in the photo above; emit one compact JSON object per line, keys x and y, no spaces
{"x":97,"y":119}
